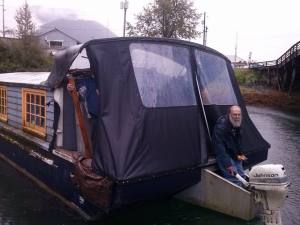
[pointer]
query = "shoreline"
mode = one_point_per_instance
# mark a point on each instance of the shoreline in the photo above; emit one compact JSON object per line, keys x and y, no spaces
{"x":266,"y":97}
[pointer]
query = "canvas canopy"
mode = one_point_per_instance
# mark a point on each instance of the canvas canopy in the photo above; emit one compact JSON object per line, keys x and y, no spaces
{"x":159,"y":99}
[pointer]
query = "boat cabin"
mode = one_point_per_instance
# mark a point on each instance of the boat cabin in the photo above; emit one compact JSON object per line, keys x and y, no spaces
{"x":26,"y":106}
{"x":141,"y":110}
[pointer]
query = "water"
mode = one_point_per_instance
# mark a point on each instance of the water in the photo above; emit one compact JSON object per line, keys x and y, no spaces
{"x":282,"y":130}
{"x":22,"y":203}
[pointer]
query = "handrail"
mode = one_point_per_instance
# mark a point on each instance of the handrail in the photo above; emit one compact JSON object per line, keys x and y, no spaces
{"x":291,"y":53}
{"x":262,"y":64}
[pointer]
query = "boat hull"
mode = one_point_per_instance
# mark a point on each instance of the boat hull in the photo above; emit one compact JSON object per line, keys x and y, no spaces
{"x":55,"y":175}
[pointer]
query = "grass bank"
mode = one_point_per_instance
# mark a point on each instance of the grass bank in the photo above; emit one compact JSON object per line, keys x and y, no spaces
{"x":259,"y":96}
{"x":255,"y":91}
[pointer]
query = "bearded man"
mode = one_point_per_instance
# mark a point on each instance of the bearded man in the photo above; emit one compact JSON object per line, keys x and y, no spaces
{"x":226,"y":140}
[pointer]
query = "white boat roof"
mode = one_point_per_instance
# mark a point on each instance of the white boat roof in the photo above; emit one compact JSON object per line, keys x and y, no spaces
{"x":35,"y":78}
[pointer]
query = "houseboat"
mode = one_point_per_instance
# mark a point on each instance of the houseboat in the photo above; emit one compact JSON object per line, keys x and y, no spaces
{"x":120,"y":120}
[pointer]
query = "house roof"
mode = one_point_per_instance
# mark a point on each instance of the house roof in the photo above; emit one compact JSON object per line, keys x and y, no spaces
{"x":33,"y":78}
{"x":58,"y":30}
{"x":81,"y":30}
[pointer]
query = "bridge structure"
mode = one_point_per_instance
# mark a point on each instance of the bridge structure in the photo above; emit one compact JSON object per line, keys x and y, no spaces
{"x":283,"y":73}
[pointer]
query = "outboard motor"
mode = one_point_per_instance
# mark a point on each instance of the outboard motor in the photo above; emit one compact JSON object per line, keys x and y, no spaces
{"x":270,"y":185}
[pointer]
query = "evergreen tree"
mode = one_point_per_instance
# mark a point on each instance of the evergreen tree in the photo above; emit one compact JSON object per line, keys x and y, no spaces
{"x":30,"y":53}
{"x":24,"y":53}
{"x":25,"y":26}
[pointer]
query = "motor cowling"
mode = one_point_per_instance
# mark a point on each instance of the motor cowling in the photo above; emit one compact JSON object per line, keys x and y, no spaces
{"x":270,"y":185}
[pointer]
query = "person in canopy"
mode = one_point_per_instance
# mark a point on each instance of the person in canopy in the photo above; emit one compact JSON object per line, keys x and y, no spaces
{"x":227,"y":146}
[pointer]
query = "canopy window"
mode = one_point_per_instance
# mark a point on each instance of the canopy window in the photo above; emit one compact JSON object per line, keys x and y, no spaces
{"x":163,"y":74}
{"x":215,"y":84}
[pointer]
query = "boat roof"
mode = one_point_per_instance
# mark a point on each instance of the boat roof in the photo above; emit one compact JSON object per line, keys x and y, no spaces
{"x":24,"y":78}
{"x":63,"y":60}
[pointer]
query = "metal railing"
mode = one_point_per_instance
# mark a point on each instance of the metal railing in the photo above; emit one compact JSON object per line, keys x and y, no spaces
{"x":290,"y":54}
{"x":262,"y":64}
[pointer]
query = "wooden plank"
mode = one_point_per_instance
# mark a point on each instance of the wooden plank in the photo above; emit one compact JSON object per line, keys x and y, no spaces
{"x":12,"y":100}
{"x":49,"y":138}
{"x":50,"y":108}
{"x":15,"y":94}
{"x":49,"y":130}
{"x":79,"y":115}
{"x":14,"y":124}
{"x":292,"y":80}
{"x":14,"y":112}
{"x":50,"y":115}
{"x":49,"y":123}
{"x":12,"y":106}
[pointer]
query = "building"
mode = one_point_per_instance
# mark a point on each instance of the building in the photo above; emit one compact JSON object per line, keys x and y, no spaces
{"x":55,"y":40}
{"x":237,"y":62}
{"x":62,"y":33}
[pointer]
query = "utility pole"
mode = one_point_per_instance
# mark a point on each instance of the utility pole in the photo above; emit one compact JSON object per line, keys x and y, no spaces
{"x":204,"y":29}
{"x":3,"y":24}
{"x":124,"y":5}
{"x":236,"y":47}
{"x":205,"y":36}
{"x":250,"y":57}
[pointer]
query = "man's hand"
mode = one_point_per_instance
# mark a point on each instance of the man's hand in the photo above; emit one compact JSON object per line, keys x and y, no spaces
{"x":230,"y":170}
{"x":242,"y":157}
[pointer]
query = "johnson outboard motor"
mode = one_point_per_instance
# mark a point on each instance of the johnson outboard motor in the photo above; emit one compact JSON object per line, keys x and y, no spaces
{"x":270,"y":186}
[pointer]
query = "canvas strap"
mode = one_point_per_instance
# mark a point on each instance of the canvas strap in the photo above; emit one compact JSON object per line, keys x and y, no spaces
{"x":79,"y":114}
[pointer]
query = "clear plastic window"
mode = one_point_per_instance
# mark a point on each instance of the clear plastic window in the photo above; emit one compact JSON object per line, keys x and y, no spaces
{"x":163,"y":75}
{"x":215,"y":83}
{"x":81,"y":61}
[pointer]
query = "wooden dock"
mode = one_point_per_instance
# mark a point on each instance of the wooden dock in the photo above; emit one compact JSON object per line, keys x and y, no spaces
{"x":283,"y":73}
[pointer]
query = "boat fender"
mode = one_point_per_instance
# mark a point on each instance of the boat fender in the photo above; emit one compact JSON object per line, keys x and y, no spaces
{"x":55,"y":122}
{"x":95,"y":188}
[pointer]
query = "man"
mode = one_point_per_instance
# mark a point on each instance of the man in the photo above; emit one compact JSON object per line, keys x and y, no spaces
{"x":227,"y":144}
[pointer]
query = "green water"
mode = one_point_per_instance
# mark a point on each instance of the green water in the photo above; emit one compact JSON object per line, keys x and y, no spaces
{"x":22,"y":203}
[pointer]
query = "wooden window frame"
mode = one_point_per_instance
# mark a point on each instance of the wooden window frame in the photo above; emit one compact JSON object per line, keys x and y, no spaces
{"x":3,"y":103}
{"x":37,"y":106}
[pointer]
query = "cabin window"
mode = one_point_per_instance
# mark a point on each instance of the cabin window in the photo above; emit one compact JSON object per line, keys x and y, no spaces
{"x":3,"y":103}
{"x":163,"y":75}
{"x":215,"y":84}
{"x":34,"y":111}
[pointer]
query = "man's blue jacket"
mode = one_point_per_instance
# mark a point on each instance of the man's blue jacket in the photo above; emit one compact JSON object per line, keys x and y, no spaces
{"x":226,"y":141}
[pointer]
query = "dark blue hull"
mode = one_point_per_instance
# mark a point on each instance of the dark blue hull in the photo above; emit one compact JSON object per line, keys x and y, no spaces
{"x":55,"y":175}
{"x":54,"y":178}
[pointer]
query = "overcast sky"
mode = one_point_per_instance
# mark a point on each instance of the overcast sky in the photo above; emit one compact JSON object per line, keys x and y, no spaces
{"x":267,"y":28}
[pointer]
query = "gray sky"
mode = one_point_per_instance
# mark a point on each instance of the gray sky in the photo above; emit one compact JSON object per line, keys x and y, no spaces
{"x":267,"y":28}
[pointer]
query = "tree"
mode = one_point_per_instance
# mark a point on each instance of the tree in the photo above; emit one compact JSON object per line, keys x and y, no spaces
{"x":24,"y":53}
{"x":25,"y":26}
{"x":167,"y":18}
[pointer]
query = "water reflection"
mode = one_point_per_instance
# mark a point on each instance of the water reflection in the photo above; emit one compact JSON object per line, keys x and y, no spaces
{"x":282,"y":130}
{"x":22,"y":203}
